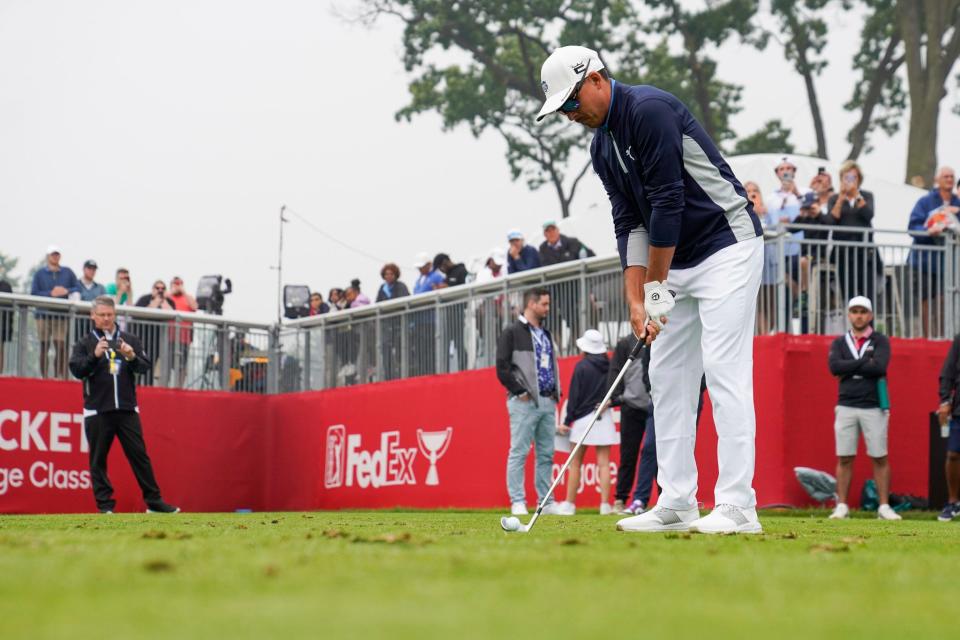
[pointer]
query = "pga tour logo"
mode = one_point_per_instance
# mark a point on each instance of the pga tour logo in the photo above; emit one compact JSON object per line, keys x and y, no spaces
{"x":346,"y":463}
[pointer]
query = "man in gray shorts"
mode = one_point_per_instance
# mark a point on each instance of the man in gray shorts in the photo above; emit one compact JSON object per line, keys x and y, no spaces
{"x":859,"y":360}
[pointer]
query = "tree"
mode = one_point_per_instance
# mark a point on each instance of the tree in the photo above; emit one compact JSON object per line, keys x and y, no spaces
{"x":931,"y":36}
{"x":478,"y":64}
{"x":879,"y":95}
{"x":804,"y":35}
{"x":497,"y":87}
{"x":773,"y":137}
{"x":7,"y":265}
{"x":712,"y":102}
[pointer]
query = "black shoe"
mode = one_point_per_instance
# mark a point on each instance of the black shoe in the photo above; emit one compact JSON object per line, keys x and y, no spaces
{"x":162,"y":507}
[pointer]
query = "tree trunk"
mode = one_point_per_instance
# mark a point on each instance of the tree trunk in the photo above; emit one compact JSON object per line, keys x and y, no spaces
{"x":701,"y":92}
{"x":926,"y":76}
{"x":804,"y":67}
{"x":815,"y":113}
{"x":884,"y":72}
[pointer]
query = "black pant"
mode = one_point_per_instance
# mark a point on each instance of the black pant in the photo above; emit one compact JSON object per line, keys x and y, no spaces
{"x":632,"y":425}
{"x":125,"y":425}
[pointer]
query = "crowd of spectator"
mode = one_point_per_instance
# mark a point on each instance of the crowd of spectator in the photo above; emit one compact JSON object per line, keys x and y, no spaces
{"x":850,"y":263}
{"x":440,"y":271}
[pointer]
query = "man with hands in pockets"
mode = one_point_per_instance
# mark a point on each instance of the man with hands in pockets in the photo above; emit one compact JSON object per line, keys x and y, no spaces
{"x":681,"y":215}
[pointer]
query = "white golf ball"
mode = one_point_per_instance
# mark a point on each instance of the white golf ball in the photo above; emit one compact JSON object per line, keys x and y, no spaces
{"x":511,"y":523}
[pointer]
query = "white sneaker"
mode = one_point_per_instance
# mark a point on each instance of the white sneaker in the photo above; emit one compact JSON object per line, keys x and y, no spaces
{"x":559,"y":509}
{"x":886,"y":512}
{"x":606,"y":509}
{"x":660,"y":519}
{"x":727,"y":518}
{"x":519,"y":509}
{"x":840,"y":511}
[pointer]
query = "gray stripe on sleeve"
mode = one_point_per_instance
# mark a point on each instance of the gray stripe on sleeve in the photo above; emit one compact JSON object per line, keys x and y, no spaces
{"x":705,"y":173}
{"x":638,"y":247}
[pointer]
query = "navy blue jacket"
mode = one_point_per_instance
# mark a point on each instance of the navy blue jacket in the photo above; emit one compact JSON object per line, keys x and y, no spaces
{"x":587,"y":387}
{"x":529,"y":259}
{"x":44,"y":280}
{"x":664,"y":174}
{"x":918,"y":222}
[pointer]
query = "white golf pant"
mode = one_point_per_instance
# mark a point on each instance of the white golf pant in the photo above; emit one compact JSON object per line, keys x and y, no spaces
{"x":710,"y":330}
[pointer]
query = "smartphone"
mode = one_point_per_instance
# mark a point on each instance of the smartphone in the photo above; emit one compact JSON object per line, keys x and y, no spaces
{"x":821,"y":171}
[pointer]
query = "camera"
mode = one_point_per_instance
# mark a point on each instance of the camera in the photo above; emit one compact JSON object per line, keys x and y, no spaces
{"x":210,"y":293}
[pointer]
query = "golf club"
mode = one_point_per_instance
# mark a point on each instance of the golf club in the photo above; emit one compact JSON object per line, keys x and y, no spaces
{"x":512,"y":524}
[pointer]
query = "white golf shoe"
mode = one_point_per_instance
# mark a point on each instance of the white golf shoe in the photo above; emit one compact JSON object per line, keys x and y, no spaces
{"x":606,"y":509}
{"x":886,"y":512}
{"x":519,"y":509}
{"x":727,"y":518}
{"x":660,"y":519}
{"x":840,"y":512}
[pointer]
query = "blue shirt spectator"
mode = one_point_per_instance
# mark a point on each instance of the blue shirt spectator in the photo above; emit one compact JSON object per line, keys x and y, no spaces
{"x":54,"y":281}
{"x":520,"y":256}
{"x":429,"y":278}
{"x":88,"y":288}
{"x":938,"y":200}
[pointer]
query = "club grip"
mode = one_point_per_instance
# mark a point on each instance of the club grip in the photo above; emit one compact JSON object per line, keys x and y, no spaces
{"x":636,"y":350}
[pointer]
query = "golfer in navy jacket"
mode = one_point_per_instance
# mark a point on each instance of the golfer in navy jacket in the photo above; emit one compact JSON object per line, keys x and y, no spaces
{"x":679,"y":213}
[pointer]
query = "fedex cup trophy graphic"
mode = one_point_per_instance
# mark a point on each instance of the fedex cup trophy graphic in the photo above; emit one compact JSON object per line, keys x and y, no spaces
{"x":433,"y":444}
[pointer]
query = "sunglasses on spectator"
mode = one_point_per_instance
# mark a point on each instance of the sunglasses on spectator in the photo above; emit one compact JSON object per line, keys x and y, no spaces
{"x":572,"y":104}
{"x":160,"y":289}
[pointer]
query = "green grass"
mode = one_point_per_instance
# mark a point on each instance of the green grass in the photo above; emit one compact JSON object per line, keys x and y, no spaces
{"x":456,"y":575}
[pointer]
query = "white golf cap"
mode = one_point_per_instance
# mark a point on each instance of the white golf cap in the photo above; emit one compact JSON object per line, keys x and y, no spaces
{"x":53,"y":249}
{"x":591,"y":342}
{"x":498,"y":256}
{"x":422,"y":259}
{"x":860,"y":301}
{"x":562,"y":71}
{"x":514,"y":234}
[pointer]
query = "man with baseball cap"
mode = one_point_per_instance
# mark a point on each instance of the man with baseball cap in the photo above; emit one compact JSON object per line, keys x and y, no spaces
{"x":679,"y":213}
{"x":520,"y":256}
{"x":859,"y":360}
{"x":429,"y":278}
{"x":53,"y":281}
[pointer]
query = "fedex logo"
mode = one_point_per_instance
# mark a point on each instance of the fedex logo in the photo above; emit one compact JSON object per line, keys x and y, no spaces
{"x":348,"y":464}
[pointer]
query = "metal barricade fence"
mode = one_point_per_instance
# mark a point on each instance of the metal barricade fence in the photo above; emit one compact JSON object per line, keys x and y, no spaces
{"x":188,"y":351}
{"x":809,"y":274}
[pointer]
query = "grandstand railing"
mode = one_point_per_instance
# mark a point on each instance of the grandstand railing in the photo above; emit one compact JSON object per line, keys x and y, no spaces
{"x":809,"y":274}
{"x":190,"y":351}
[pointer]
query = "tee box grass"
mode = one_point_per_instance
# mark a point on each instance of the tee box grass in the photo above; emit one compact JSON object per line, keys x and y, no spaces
{"x":391,"y":574}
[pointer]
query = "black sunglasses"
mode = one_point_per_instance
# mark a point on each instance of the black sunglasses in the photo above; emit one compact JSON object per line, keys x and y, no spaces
{"x":572,"y":104}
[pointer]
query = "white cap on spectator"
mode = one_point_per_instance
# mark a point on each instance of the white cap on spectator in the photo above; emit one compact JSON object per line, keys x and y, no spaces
{"x":422,"y":259}
{"x":498,"y":256}
{"x":786,"y":160}
{"x":860,"y":301}
{"x":514,"y":234}
{"x":53,"y":249}
{"x":591,"y":342}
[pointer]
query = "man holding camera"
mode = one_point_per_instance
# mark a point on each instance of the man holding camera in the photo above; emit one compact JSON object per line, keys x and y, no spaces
{"x":106,"y":360}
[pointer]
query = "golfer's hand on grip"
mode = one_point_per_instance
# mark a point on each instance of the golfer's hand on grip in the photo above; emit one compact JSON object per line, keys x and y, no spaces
{"x":657,"y":302}
{"x":642,"y":327}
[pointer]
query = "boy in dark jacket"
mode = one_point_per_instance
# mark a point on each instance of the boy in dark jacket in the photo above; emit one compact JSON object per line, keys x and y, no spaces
{"x":106,"y":360}
{"x":859,"y":360}
{"x":587,"y":390}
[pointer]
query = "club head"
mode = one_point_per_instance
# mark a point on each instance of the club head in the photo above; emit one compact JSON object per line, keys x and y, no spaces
{"x":511,"y":524}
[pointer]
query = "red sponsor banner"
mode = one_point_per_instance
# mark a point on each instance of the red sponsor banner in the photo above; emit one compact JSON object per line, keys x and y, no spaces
{"x":438,"y":441}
